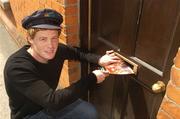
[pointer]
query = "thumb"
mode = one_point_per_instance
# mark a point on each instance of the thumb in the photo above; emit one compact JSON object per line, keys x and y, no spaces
{"x":105,"y":72}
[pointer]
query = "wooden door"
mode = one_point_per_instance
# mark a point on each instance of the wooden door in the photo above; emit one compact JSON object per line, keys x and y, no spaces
{"x":145,"y":31}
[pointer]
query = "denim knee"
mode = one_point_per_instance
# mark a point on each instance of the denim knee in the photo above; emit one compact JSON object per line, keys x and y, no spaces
{"x":88,"y":111}
{"x":79,"y":110}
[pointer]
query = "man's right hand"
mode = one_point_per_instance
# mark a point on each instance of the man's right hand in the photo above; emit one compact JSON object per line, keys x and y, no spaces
{"x":100,"y":75}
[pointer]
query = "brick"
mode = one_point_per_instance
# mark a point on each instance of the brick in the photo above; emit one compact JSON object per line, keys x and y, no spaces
{"x":72,"y":40}
{"x":61,"y":41}
{"x":163,"y":115}
{"x":47,"y":6}
{"x":48,"y":3}
{"x":71,"y":20}
{"x":171,"y":108}
{"x":61,"y":2}
{"x":62,"y":27}
{"x":72,"y":63}
{"x":71,"y":10}
{"x":63,"y":37}
{"x":42,"y":1}
{"x":75,"y":76}
{"x":177,"y":59}
{"x":175,"y":75}
{"x":41,"y":6}
{"x":66,"y":64}
{"x":68,"y":2}
{"x":64,"y":78}
{"x":173,"y":93}
{"x":73,"y":69}
{"x":62,"y":10}
{"x":56,"y":6}
{"x":71,"y":29}
{"x":36,"y":6}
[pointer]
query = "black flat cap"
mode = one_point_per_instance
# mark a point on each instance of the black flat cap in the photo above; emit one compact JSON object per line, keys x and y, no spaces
{"x":45,"y":18}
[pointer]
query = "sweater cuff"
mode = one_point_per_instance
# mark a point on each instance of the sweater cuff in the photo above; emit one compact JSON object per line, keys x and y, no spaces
{"x":97,"y":59}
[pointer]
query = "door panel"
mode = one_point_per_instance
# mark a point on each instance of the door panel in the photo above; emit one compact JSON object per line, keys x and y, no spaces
{"x":156,"y":26}
{"x":145,"y":31}
{"x":115,"y":22}
{"x":113,"y":27}
{"x":103,"y":102}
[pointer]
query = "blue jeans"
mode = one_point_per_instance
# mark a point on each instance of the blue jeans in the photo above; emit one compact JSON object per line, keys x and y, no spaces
{"x":78,"y":110}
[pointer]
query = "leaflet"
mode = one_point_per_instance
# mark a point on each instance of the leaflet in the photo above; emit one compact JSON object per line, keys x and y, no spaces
{"x":119,"y":69}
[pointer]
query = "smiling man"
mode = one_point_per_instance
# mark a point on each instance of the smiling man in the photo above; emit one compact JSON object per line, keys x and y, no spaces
{"x":32,"y":73}
{"x":44,"y":45}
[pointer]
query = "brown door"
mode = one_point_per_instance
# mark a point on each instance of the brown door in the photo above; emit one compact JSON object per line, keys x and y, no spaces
{"x":145,"y":31}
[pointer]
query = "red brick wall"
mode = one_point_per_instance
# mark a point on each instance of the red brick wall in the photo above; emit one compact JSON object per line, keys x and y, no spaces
{"x":170,"y":107}
{"x":70,"y":25}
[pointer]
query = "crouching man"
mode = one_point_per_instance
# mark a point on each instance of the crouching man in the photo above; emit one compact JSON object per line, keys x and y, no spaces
{"x":32,"y":73}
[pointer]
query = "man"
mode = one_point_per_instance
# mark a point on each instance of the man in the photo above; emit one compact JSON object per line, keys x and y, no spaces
{"x":32,"y":73}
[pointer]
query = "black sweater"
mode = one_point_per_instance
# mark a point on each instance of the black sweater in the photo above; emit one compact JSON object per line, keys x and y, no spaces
{"x":31,"y":85}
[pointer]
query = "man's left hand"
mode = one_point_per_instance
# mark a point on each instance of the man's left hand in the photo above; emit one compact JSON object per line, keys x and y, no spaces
{"x":109,"y":58}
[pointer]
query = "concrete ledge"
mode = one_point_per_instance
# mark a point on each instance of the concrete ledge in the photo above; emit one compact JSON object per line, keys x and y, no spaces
{"x":5,"y":4}
{"x":11,"y":28}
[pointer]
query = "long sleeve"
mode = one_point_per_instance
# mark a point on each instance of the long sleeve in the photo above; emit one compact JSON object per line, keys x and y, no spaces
{"x":31,"y":85}
{"x":26,"y":80}
{"x":75,"y":53}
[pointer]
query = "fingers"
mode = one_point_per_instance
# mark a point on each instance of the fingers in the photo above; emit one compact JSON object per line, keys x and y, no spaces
{"x":106,"y":73}
{"x":109,"y":52}
{"x":113,"y":61}
{"x":109,"y":58}
{"x":112,"y":54}
{"x":101,"y":75}
{"x":115,"y":58}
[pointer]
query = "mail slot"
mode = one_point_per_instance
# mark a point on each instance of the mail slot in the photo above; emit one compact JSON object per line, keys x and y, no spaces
{"x":133,"y":65}
{"x":122,"y":68}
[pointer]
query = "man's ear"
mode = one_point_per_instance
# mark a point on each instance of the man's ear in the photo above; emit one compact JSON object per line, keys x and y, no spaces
{"x":29,"y":39}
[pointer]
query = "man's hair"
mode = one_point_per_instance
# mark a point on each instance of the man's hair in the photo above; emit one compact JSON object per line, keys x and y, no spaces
{"x":32,"y":32}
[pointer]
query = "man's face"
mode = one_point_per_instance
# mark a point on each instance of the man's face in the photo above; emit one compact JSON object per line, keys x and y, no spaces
{"x":44,"y":45}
